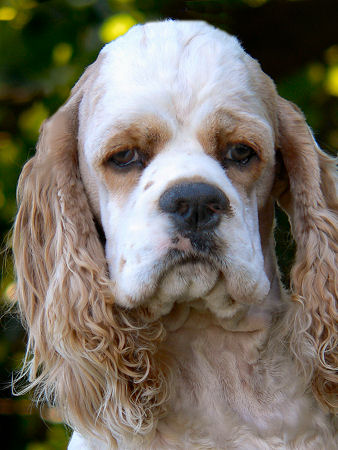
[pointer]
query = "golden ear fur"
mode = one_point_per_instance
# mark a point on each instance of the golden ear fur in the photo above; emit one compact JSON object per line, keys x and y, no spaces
{"x":93,"y":361}
{"x":311,"y":202}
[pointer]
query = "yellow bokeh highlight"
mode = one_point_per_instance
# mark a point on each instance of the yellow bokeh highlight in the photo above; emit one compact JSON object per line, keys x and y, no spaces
{"x":7,"y":13}
{"x":115,"y":26}
{"x":62,"y":53}
{"x":332,"y":80}
{"x":20,"y":14}
{"x":31,"y":119}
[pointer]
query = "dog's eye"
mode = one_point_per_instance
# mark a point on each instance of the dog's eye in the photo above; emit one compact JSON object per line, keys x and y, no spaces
{"x":125,"y":158}
{"x":240,"y":154}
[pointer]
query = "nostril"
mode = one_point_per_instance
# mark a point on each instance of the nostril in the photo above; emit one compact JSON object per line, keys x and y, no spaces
{"x":215,"y":208}
{"x":182,"y":208}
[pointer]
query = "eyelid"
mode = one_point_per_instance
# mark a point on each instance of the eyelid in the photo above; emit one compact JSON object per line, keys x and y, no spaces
{"x":134,"y":153}
{"x":137,"y":159}
{"x":113,"y":151}
{"x":239,"y":160}
{"x":238,"y":146}
{"x":245,"y":143}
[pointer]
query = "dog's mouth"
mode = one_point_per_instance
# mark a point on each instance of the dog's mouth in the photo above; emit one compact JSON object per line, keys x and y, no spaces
{"x":183,"y":277}
{"x":193,"y":249}
{"x":189,"y":270}
{"x":176,"y":259}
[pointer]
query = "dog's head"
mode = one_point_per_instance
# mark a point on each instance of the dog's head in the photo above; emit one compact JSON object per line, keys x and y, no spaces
{"x":175,"y":145}
{"x":177,"y":158}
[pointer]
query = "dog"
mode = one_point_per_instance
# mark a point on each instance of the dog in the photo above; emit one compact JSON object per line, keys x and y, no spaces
{"x":146,"y":269}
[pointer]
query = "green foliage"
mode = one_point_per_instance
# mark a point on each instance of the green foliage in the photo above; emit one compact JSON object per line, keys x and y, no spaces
{"x":44,"y":48}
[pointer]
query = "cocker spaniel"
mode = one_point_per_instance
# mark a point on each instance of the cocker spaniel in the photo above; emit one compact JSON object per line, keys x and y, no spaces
{"x":146,"y":268}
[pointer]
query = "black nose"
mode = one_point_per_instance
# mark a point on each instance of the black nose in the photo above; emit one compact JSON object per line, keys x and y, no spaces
{"x":194,"y":206}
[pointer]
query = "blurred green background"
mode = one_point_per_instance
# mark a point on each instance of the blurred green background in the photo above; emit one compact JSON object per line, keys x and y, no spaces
{"x":44,"y":48}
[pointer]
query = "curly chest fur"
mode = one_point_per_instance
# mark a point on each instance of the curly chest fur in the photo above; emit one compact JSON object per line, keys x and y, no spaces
{"x":234,"y":389}
{"x":231,"y":390}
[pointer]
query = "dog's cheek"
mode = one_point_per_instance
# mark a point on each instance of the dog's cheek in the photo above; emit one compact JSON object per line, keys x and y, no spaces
{"x":137,"y":237}
{"x":246,"y":281}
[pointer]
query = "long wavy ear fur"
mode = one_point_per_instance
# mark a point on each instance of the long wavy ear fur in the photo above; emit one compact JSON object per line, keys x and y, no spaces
{"x":93,"y":361}
{"x":311,"y":202}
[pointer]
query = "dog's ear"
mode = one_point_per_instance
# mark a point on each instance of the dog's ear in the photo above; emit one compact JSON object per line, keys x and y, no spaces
{"x":85,"y":355}
{"x":307,"y":192}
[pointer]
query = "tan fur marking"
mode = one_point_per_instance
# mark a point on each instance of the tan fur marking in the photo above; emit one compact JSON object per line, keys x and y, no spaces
{"x":148,"y":185}
{"x":225,"y":128}
{"x":122,"y":264}
{"x":148,"y":134}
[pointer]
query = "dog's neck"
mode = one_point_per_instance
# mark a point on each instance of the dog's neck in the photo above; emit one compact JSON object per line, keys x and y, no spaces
{"x":220,"y":365}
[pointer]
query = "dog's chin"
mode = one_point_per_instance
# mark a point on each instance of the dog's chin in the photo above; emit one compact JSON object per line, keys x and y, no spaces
{"x":182,"y":277}
{"x":189,"y":278}
{"x":195,"y":276}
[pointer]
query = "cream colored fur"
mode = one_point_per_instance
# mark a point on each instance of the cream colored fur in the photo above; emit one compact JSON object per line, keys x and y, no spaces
{"x":208,"y":351}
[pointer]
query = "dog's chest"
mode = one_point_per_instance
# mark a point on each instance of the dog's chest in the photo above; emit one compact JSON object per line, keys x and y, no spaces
{"x":226,"y":387}
{"x":218,"y":378}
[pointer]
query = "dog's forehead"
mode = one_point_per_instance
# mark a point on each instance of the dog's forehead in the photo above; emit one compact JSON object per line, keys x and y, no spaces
{"x":176,"y":58}
{"x":175,"y":70}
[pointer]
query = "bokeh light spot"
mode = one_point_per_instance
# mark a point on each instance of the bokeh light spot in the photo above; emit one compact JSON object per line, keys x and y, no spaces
{"x":115,"y":26}
{"x":332,"y":81}
{"x":62,"y":53}
{"x":7,"y":13}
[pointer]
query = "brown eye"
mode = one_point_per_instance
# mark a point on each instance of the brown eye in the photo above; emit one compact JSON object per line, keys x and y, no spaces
{"x":125,"y":158}
{"x":240,"y":154}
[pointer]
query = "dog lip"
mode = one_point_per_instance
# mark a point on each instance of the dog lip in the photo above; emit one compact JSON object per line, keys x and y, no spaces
{"x":178,"y":257}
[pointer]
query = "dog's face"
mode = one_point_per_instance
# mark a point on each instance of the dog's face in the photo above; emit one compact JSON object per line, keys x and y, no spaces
{"x":177,"y":158}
